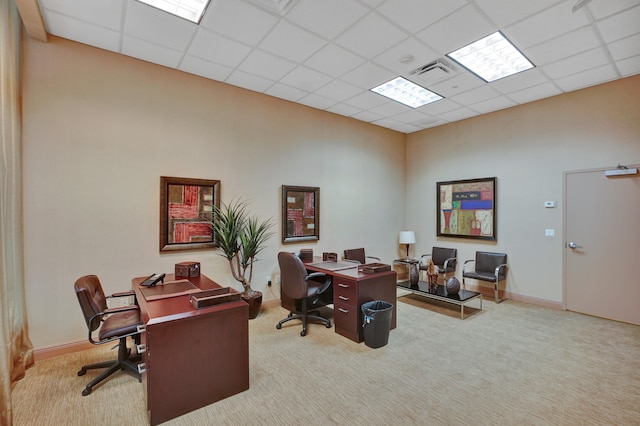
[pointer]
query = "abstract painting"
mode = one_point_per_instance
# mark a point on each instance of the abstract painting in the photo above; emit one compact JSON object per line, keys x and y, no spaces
{"x":300,"y":213}
{"x":467,"y":209}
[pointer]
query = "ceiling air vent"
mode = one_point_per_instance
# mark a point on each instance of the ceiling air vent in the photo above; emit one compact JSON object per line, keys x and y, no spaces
{"x":433,"y":72}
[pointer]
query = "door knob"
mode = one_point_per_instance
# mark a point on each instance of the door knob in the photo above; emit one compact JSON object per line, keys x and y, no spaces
{"x":573,"y":245}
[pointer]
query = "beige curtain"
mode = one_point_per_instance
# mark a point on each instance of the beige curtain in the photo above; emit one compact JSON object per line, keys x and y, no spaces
{"x":16,"y":350}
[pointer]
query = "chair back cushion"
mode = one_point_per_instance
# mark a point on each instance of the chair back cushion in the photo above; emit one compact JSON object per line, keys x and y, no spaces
{"x":439,"y":255}
{"x":91,"y":298}
{"x":356,"y":254}
{"x":488,"y":262}
{"x":292,"y":275}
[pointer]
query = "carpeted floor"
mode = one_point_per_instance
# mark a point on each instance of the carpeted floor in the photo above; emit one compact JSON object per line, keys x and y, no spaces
{"x":510,"y":364}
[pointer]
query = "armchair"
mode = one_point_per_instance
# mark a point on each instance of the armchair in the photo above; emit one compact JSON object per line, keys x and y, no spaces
{"x":490,"y":267}
{"x":109,"y":324}
{"x":358,"y":255}
{"x":303,"y":287}
{"x":446,"y":259}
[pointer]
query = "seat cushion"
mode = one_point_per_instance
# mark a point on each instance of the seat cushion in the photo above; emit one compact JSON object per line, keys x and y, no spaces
{"x":478,"y":275}
{"x":120,"y":324}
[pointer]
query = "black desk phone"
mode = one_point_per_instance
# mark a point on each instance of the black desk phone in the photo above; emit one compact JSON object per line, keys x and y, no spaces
{"x":152,"y":280}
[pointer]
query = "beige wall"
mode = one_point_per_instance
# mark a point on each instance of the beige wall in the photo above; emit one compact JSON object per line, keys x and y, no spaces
{"x":99,"y":131}
{"x":527,"y":148}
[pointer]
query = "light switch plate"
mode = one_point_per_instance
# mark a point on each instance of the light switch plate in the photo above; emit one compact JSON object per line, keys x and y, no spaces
{"x":549,"y":232}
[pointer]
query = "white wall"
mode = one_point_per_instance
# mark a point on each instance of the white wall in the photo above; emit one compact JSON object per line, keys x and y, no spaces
{"x":527,"y":148}
{"x":99,"y":131}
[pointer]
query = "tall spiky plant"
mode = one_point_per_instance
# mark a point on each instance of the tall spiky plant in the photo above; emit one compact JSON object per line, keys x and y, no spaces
{"x":240,"y":238}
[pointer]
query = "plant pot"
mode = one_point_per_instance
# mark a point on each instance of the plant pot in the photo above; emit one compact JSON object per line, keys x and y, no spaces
{"x":254,"y":299}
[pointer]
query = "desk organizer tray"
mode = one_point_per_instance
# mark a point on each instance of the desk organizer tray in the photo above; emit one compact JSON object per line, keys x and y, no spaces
{"x":374,"y":268}
{"x":214,"y":297}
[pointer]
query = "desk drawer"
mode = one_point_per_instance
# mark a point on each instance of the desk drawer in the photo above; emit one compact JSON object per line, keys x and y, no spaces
{"x":345,"y":291}
{"x":345,"y":316}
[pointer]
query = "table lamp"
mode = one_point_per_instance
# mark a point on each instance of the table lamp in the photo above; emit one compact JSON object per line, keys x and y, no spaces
{"x":407,"y":237}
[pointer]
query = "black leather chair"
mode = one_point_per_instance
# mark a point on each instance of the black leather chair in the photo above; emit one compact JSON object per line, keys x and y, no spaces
{"x":490,"y":267}
{"x":358,"y":255}
{"x":303,"y":287}
{"x":111,"y":324}
{"x":446,"y":259}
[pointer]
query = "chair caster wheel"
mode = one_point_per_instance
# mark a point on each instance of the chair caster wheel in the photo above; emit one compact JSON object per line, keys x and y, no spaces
{"x":86,"y":392}
{"x":278,"y":326}
{"x":81,"y":372}
{"x":328,"y":325}
{"x":303,"y":333}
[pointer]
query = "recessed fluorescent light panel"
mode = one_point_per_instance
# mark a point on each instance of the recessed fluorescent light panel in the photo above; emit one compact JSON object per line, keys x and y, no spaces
{"x":406,"y":92}
{"x":191,"y":10}
{"x":491,"y":58}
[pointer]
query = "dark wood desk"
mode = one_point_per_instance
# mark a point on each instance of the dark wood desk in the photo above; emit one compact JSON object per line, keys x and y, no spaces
{"x":192,"y":357}
{"x":352,"y":288}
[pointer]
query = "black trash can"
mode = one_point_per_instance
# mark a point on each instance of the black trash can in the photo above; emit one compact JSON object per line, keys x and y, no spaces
{"x":376,"y":322}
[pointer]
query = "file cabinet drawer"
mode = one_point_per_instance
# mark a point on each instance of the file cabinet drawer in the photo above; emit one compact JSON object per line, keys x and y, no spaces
{"x":345,"y":291}
{"x":345,"y":318}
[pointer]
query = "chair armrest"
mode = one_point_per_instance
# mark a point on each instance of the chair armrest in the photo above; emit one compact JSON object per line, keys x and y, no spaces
{"x":123,"y":294}
{"x":373,"y":257}
{"x":118,"y":309}
{"x":446,"y":263}
{"x":464,"y":265}
{"x":327,"y":281}
{"x":497,"y":272}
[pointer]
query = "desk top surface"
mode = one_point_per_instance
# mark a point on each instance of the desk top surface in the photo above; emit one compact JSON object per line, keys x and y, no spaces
{"x":171,"y":308}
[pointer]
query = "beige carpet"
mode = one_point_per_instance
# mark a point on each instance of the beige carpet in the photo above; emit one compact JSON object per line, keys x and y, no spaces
{"x":510,"y":364}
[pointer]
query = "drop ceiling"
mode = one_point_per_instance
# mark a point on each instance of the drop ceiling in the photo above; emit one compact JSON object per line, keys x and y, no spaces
{"x":327,"y":54}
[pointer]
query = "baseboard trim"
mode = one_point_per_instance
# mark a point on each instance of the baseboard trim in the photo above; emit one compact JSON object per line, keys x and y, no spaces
{"x":58,"y":350}
{"x":488,"y":294}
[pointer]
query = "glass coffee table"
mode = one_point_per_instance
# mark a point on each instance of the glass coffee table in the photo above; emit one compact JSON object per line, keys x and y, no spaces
{"x":461,"y":299}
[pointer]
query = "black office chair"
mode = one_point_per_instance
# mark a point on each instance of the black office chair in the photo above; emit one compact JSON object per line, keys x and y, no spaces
{"x":358,"y":255}
{"x":112,"y":324}
{"x":303,"y":287}
{"x":490,"y":267}
{"x":446,"y":259}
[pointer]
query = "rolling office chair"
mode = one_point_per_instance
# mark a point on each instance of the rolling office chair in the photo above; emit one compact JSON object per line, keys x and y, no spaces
{"x":358,"y":255}
{"x":301,"y":286}
{"x":113,"y":324}
{"x":445,"y":259}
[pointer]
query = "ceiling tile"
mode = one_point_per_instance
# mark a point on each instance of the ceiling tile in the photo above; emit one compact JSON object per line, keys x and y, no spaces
{"x":291,"y":42}
{"x":576,"y":63}
{"x":105,"y":13}
{"x":528,"y":78}
{"x":587,"y":78}
{"x":218,"y":49}
{"x":561,"y":47}
{"x":286,"y":92}
{"x":534,"y":93}
{"x":370,"y":36}
{"x":73,"y":29}
{"x":368,"y":75}
{"x":603,"y":9}
{"x":494,"y":104}
{"x":629,"y":66}
{"x":462,"y":27}
{"x":544,"y":26}
{"x":150,"y":52}
{"x":316,"y":101}
{"x":327,"y":18}
{"x":504,"y":13}
{"x":238,"y":20}
{"x":306,"y":79}
{"x":158,"y":27}
{"x":417,"y":14}
{"x":421,"y":54}
{"x":338,"y":90}
{"x":266,"y":65}
{"x":625,"y":48}
{"x":249,"y":81}
{"x":344,"y":109}
{"x":476,"y":95}
{"x":366,"y":100}
{"x":197,"y":66}
{"x":621,"y":25}
{"x":334,"y":60}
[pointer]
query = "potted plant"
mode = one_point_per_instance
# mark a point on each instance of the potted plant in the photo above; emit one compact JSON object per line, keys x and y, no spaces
{"x":240,"y":237}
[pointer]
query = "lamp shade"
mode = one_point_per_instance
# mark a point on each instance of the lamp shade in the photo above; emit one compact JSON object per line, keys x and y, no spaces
{"x":407,"y":237}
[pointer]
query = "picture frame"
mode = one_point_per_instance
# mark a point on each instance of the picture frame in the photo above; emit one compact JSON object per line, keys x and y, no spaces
{"x":467,"y":209}
{"x":186,"y":210}
{"x":300,"y":213}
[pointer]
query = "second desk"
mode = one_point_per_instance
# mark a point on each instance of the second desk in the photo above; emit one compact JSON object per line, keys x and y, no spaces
{"x":352,"y":288}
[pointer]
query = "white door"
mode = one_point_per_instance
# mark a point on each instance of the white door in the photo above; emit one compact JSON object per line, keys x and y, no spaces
{"x":602,"y":245}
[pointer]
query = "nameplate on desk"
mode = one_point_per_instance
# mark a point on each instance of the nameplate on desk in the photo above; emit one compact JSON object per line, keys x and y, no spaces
{"x":169,"y":289}
{"x":334,"y":266}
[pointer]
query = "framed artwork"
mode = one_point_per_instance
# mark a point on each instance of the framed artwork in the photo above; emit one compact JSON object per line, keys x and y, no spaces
{"x":300,"y":213}
{"x":467,"y":209}
{"x":186,"y":209}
